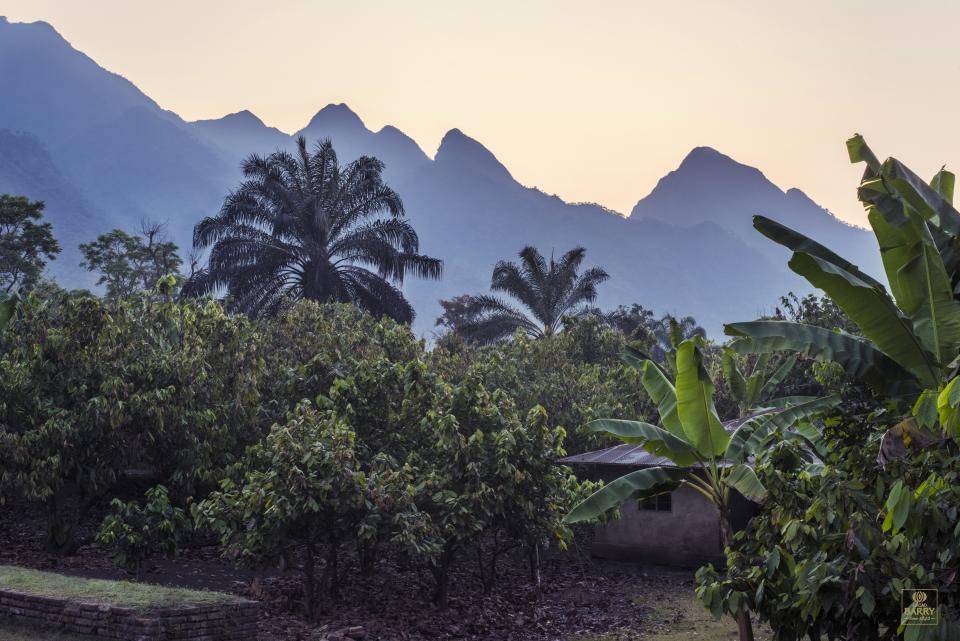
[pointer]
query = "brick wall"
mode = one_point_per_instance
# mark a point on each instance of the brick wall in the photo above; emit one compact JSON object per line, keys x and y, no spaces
{"x":231,"y":621}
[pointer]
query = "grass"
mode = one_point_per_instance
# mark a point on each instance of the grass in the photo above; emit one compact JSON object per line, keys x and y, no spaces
{"x":683,"y":618}
{"x":677,"y":618}
{"x":139,"y":596}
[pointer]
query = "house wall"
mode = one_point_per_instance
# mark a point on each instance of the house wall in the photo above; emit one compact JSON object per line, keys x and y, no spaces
{"x":687,"y":536}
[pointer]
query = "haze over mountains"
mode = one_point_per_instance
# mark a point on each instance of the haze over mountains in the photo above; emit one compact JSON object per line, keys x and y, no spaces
{"x":102,"y":154}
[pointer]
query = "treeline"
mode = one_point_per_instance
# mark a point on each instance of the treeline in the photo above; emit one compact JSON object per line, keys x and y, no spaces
{"x":318,"y":433}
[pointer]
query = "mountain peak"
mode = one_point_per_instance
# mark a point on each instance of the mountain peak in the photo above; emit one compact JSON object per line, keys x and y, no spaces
{"x":463,"y":152}
{"x":245,"y":116}
{"x":338,"y":116}
{"x":701,"y":156}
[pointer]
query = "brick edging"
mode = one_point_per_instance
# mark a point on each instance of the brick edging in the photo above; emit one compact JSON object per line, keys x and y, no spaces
{"x":229,"y":621}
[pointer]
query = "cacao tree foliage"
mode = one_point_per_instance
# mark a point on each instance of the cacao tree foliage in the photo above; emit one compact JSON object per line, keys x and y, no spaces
{"x":576,"y":375}
{"x":306,"y":348}
{"x":303,"y":486}
{"x":136,"y":531}
{"x":829,"y":553}
{"x":395,"y":458}
{"x":92,"y":390}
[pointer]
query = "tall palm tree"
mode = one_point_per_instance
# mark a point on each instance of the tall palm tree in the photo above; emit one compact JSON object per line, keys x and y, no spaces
{"x":301,"y":226}
{"x":547,"y":291}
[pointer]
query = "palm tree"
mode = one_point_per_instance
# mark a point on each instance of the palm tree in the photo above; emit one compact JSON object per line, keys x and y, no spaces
{"x":301,"y":226}
{"x":547,"y":291}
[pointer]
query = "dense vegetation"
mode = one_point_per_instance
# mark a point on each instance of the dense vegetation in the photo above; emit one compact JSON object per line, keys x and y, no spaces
{"x":290,"y":424}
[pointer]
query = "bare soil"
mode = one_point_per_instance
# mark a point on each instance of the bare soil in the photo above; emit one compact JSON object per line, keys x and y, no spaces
{"x":579,"y":598}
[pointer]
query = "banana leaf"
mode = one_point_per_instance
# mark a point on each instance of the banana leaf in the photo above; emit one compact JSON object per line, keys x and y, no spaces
{"x":743,"y":479}
{"x":919,"y":281}
{"x":781,"y":373}
{"x":874,"y":312}
{"x":635,"y":485}
{"x":858,"y":356}
{"x":695,"y":406}
{"x":752,"y":433}
{"x":652,"y":438}
{"x":735,"y":380}
{"x":797,"y":242}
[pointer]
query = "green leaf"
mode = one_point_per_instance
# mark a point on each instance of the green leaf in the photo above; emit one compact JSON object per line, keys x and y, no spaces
{"x":652,"y":438}
{"x":797,"y":242}
{"x":947,"y":403}
{"x":867,"y":602}
{"x":781,"y":373}
{"x":698,"y":415}
{"x":920,"y":196}
{"x":943,"y":183}
{"x":874,"y":312}
{"x":663,"y":395}
{"x":859,"y":357}
{"x":785,"y":401}
{"x":635,"y":485}
{"x":925,"y":409}
{"x":752,"y":433}
{"x":919,"y":281}
{"x":734,"y":377}
{"x":743,"y":479}
{"x":897,"y":507}
{"x":858,"y":151}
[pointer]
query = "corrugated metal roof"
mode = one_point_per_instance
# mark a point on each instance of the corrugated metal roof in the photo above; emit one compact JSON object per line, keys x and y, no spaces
{"x":632,"y":455}
{"x":635,"y":455}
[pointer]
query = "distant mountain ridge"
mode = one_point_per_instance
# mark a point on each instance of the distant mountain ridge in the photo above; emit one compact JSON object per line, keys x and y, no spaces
{"x":709,"y":186}
{"x":106,"y":155}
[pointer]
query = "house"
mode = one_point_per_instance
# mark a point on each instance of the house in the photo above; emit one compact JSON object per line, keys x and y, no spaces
{"x":679,"y":528}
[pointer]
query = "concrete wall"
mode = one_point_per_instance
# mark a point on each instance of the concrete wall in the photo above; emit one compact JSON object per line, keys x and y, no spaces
{"x":687,"y":536}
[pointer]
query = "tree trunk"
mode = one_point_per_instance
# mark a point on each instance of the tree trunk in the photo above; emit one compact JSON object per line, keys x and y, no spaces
{"x":534,"y":557}
{"x":62,"y":524}
{"x":366,"y":556}
{"x":441,"y":577}
{"x":333,"y":574}
{"x":744,"y":625}
{"x":309,"y":583}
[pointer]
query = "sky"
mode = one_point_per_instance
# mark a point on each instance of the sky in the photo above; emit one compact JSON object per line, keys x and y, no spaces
{"x":593,"y":101}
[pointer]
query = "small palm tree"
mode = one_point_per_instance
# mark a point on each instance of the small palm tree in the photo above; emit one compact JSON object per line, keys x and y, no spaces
{"x":548,"y":292}
{"x":301,"y":226}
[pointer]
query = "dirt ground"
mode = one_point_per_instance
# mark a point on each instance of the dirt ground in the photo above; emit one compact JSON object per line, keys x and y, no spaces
{"x":579,"y":599}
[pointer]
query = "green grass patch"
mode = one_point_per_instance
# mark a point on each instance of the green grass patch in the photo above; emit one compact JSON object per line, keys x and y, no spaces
{"x":140,"y":596}
{"x":675,"y":617}
{"x":682,"y":617}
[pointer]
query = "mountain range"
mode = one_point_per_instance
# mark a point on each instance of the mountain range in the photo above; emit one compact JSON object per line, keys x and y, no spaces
{"x":104,"y":155}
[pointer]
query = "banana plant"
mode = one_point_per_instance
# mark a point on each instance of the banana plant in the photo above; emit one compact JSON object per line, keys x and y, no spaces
{"x":706,"y":457}
{"x":755,"y":389}
{"x":911,"y":333}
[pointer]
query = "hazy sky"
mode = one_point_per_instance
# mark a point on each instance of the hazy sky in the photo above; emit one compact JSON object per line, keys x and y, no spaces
{"x":589,"y":100}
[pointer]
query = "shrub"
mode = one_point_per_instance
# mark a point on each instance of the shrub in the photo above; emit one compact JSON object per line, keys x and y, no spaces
{"x":829,"y":553}
{"x":304,"y":486}
{"x":576,"y":376}
{"x":308,"y":347}
{"x":91,"y":390}
{"x":135,"y":532}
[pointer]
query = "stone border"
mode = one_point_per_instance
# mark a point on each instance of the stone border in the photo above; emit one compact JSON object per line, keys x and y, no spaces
{"x":228,"y":621}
